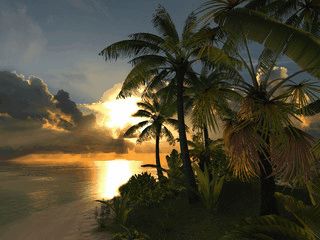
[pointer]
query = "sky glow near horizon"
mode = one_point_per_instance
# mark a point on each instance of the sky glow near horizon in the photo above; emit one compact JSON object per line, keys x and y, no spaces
{"x":58,"y":42}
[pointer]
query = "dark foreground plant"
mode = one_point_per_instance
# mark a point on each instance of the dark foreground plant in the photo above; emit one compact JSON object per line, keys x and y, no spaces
{"x":130,"y":234}
{"x":209,"y":186}
{"x":305,"y":224}
{"x":116,"y":210}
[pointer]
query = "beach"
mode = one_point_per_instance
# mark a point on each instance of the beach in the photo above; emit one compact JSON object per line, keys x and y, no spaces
{"x":70,"y":221}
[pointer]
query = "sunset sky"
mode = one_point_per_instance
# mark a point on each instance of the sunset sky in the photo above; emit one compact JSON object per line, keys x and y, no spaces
{"x":51,"y":45}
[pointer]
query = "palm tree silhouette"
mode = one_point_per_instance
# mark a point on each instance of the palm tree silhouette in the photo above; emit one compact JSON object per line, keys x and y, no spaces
{"x":168,"y":57}
{"x":158,"y":117}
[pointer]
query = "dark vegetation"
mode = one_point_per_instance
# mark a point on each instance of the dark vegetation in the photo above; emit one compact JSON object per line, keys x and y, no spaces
{"x":260,"y":181}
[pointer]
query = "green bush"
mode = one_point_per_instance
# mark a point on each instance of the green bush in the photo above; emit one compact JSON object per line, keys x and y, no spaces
{"x":143,"y":190}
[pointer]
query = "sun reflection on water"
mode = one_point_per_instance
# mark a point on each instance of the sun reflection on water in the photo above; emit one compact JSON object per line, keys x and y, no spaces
{"x":112,"y":174}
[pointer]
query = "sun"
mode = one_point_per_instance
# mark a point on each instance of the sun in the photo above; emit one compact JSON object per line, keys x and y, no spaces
{"x":119,"y":112}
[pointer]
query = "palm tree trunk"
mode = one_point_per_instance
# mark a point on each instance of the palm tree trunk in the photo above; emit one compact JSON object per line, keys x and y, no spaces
{"x":204,"y":160}
{"x":158,"y":163}
{"x":188,"y":172}
{"x":268,"y":203}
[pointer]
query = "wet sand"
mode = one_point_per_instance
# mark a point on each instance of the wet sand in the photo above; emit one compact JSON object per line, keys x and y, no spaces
{"x":71,"y":221}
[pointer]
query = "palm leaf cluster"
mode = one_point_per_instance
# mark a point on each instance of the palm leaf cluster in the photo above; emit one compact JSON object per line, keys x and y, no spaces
{"x":158,"y":120}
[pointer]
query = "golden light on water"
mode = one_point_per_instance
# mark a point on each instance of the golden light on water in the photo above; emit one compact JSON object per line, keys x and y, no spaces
{"x":112,"y":174}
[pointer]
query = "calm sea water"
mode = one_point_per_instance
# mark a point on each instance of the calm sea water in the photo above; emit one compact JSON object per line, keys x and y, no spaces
{"x":26,"y":188}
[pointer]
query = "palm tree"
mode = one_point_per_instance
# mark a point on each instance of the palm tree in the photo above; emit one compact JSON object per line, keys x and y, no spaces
{"x":207,"y":97}
{"x":249,"y":18}
{"x":157,"y":116}
{"x":170,"y":57}
{"x":260,"y":136}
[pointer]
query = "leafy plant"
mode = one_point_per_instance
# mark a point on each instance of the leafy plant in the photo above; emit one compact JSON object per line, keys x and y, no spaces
{"x":175,"y":173}
{"x":305,"y":226}
{"x":143,"y":190}
{"x":117,"y":209}
{"x":307,"y":215}
{"x":269,"y":227}
{"x":313,"y":188}
{"x":209,"y":186}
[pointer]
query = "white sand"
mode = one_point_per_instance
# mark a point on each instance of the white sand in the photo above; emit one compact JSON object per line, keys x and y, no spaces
{"x":71,"y":221}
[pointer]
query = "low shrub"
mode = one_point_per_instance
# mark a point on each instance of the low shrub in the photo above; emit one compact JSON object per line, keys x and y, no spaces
{"x":143,"y":190}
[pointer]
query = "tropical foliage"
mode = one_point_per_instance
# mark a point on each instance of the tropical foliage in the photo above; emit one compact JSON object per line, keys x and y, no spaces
{"x":168,"y":58}
{"x":208,"y":78}
{"x":209,"y":186}
{"x":306,"y":225}
{"x":143,"y":190}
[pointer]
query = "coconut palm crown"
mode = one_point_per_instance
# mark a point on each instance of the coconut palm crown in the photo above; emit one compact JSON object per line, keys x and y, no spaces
{"x":158,"y":117}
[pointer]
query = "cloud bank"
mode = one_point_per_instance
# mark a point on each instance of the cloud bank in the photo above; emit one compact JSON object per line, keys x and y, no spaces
{"x":32,"y":120}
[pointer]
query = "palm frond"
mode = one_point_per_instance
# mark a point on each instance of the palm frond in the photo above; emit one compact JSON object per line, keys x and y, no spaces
{"x":163,"y":22}
{"x":141,"y":73}
{"x":173,"y":123}
{"x":189,"y":27}
{"x":311,"y":109}
{"x":244,"y":146}
{"x":133,"y":129}
{"x":216,"y":57}
{"x":128,"y":48}
{"x":269,"y":116}
{"x":270,"y":227}
{"x":168,"y":135}
{"x":301,"y":46}
{"x":303,"y":93}
{"x":147,"y":37}
{"x":142,"y":113}
{"x":146,"y":134}
{"x":145,"y":105}
{"x":291,"y":154}
{"x":308,"y":216}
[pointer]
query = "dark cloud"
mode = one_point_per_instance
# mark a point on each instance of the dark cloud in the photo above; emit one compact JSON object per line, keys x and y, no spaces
{"x":22,"y":98}
{"x":32,"y":120}
{"x":67,"y":106}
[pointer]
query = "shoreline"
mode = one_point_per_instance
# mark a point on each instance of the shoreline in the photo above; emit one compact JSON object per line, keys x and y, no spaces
{"x":69,"y":221}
